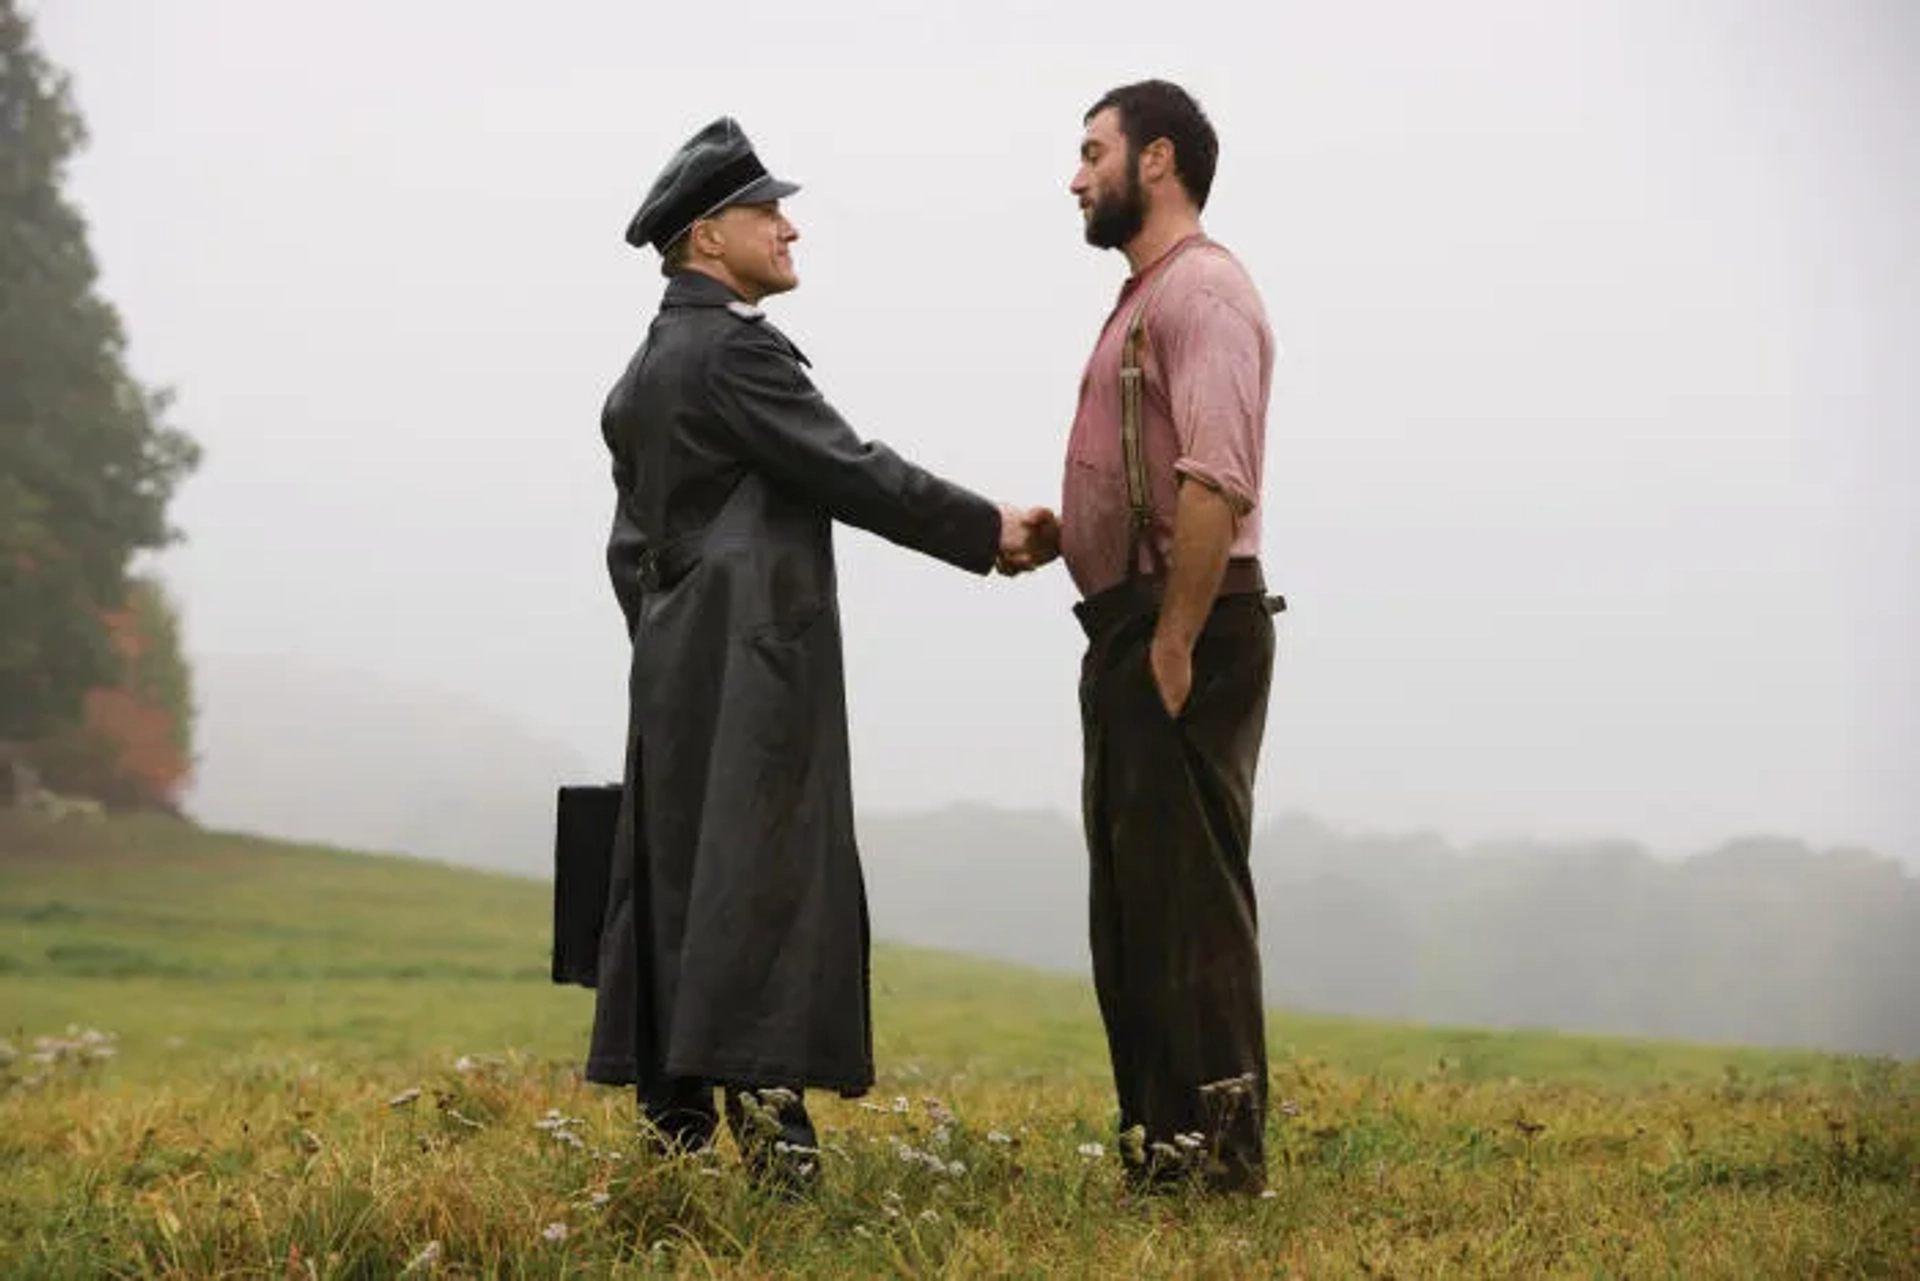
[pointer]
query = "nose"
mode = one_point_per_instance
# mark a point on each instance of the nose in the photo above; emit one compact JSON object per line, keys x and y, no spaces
{"x":1080,"y":181}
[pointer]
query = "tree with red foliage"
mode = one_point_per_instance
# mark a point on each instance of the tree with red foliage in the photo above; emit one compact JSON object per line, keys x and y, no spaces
{"x":132,"y":747}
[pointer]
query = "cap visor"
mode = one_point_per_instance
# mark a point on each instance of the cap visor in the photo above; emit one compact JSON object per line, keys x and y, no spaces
{"x":764,"y":191}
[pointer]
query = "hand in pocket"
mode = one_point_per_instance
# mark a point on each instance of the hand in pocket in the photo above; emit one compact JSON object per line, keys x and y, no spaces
{"x":1172,"y":666}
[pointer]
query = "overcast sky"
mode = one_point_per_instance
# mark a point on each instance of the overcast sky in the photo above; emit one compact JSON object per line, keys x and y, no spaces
{"x":1591,"y":459}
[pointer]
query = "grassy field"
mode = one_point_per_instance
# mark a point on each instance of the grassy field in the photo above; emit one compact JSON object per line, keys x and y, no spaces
{"x":235,"y":1058}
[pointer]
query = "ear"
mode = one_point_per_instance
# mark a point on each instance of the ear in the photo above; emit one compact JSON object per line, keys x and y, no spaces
{"x":1156,"y":161}
{"x":706,"y":239}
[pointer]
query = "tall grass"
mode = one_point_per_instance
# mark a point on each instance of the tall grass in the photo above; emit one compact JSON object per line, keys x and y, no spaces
{"x":310,"y":1063}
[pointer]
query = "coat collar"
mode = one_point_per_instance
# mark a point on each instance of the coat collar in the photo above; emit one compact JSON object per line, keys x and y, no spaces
{"x":698,"y":289}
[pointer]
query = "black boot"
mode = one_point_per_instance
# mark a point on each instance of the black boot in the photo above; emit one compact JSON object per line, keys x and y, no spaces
{"x":677,"y":1116}
{"x":776,"y":1137}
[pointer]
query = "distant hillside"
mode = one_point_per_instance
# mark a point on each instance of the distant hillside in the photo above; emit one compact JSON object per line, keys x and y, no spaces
{"x":194,"y":946}
{"x":1761,"y":941}
{"x":311,"y":753}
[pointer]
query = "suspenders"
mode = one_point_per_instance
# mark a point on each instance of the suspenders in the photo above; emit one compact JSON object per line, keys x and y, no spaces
{"x":1132,"y":381}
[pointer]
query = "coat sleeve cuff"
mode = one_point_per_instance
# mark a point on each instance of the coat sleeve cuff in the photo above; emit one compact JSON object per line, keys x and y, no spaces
{"x":988,"y":539}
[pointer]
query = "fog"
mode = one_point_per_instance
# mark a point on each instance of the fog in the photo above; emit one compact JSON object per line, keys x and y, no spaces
{"x":1592,"y":450}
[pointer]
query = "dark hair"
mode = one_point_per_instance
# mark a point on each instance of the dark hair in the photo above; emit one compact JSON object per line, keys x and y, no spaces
{"x":1151,"y":109}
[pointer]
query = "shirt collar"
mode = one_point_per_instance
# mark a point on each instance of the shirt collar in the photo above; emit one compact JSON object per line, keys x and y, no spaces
{"x":1140,"y":277}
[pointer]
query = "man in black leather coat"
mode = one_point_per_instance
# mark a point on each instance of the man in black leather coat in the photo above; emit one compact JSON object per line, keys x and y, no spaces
{"x":734,"y":953}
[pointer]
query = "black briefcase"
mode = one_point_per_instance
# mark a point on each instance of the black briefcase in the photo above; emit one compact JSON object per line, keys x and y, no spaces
{"x":584,"y":819}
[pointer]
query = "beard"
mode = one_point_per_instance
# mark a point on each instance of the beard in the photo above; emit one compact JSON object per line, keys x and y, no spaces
{"x":1118,"y":216}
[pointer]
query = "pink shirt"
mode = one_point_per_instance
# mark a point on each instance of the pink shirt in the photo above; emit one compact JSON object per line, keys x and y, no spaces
{"x":1208,"y":367}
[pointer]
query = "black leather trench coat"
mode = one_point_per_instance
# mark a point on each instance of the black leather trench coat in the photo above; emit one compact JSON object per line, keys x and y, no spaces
{"x":735,"y":941}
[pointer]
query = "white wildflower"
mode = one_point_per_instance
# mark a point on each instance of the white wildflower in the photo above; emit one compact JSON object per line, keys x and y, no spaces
{"x":995,"y":1136}
{"x":599,"y":1199}
{"x":403,"y":1098}
{"x":929,"y":1216}
{"x":1092,"y":1151}
{"x":464,"y":1064}
{"x":428,"y":1256}
{"x":555,"y":1232}
{"x":914,"y":1156}
{"x":1268,"y":1195}
{"x":1191,"y":1142}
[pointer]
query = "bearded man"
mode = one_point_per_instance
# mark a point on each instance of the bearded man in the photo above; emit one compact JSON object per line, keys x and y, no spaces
{"x":1160,"y":530}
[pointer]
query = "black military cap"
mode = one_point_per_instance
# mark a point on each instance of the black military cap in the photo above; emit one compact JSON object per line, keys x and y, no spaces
{"x":714,"y":169}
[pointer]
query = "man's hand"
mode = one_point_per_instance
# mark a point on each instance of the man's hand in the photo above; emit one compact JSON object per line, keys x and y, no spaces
{"x":1029,"y":538}
{"x":1172,"y":664}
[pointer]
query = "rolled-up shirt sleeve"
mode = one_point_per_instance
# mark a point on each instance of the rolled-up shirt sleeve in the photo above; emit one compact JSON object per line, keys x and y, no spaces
{"x":1214,"y":354}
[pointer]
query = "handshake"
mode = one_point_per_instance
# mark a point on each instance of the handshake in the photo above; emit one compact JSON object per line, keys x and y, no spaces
{"x":1029,"y":538}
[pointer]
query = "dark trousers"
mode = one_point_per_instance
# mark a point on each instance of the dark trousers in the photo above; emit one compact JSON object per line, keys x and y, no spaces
{"x":774,"y":1133}
{"x":1168,"y":808}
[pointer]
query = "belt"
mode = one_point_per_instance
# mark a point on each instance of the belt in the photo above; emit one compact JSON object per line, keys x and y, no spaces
{"x":1141,"y":594}
{"x":1243,"y":577}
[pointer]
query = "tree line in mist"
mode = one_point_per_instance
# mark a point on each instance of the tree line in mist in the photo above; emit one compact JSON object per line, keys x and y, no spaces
{"x":1759,"y":942}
